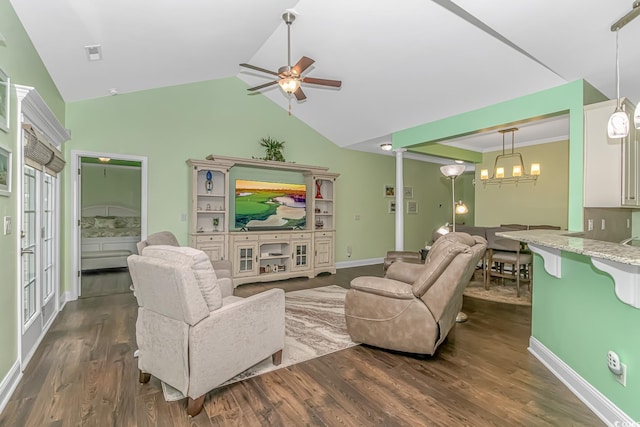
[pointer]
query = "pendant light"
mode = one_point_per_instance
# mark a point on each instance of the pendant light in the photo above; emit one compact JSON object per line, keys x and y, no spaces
{"x":618,"y":126}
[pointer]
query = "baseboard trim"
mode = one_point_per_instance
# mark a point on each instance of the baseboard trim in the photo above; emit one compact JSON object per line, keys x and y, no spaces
{"x":606,"y":410}
{"x":359,"y":262}
{"x":9,"y":384}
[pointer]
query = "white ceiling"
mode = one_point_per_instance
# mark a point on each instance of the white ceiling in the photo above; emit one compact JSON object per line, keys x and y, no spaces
{"x":401,"y":63}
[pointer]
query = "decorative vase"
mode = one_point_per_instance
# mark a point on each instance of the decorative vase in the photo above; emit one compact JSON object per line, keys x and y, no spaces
{"x":318,"y":187}
{"x":208,"y":185}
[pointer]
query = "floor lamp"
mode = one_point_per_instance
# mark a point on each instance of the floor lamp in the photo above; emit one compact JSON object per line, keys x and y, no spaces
{"x":452,"y":172}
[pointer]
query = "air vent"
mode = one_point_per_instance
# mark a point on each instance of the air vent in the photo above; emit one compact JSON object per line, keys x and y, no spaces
{"x":94,"y":53}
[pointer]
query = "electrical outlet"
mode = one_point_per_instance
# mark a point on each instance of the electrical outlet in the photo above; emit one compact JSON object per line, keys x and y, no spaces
{"x":589,"y":225}
{"x":349,"y":251}
{"x":356,"y":217}
{"x":183,"y":217}
{"x":602,"y":224}
{"x":618,"y":369}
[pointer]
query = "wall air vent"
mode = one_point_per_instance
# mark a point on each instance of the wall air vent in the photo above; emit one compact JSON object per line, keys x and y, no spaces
{"x":94,"y":52}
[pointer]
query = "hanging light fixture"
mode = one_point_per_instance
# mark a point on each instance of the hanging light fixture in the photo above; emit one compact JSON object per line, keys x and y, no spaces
{"x":618,"y":126}
{"x":620,"y":121}
{"x":518,"y":172}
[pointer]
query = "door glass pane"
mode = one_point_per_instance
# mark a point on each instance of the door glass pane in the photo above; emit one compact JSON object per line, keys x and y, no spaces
{"x":29,"y":245}
{"x":47,"y":233}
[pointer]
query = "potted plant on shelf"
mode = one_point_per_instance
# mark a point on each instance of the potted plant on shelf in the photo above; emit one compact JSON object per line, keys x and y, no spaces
{"x":273,"y":149}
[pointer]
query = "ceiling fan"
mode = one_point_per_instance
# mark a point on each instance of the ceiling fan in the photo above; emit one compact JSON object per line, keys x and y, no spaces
{"x":290,"y":78}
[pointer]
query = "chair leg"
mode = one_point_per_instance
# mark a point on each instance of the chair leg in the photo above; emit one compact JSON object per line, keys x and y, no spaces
{"x":144,"y":377}
{"x":194,"y":406}
{"x":276,"y":357}
{"x":517,"y":272}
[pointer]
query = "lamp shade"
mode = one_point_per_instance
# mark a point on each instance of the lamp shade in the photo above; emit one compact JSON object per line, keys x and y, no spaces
{"x":535,"y":169}
{"x":452,"y":171}
{"x":461,"y":208}
{"x":517,"y":170}
{"x":618,"y":126}
{"x":484,"y":174}
{"x":499,"y":172}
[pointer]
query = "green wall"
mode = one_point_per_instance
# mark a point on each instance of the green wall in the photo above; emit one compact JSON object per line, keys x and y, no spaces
{"x":542,"y":202}
{"x":111,"y":185}
{"x":579,"y":318}
{"x":170,"y":125}
{"x":569,"y":98}
{"x":20,"y":61}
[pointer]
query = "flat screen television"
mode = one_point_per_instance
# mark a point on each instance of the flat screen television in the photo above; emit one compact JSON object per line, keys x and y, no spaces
{"x":268,"y":205}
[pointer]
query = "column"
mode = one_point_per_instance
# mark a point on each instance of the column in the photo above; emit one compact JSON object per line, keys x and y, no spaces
{"x":399,"y":199}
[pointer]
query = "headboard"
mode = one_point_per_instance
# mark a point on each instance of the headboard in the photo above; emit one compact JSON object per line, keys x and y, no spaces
{"x":109,"y":210}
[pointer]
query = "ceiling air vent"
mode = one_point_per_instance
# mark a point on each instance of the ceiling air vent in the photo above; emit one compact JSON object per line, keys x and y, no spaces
{"x":94,"y":53}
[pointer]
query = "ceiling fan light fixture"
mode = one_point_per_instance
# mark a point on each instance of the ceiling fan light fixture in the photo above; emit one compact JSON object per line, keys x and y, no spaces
{"x":289,"y":84}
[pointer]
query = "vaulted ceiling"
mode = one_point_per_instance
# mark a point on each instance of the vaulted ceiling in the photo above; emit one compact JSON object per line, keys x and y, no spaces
{"x":401,"y":63}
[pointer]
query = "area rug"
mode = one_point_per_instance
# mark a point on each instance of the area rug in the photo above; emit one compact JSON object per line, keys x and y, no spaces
{"x":314,"y":327}
{"x":499,"y":291}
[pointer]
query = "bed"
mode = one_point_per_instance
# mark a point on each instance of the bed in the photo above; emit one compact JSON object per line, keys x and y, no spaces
{"x":109,"y":236}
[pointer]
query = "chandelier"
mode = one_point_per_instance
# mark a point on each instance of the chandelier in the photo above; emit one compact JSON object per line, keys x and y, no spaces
{"x":518,"y":172}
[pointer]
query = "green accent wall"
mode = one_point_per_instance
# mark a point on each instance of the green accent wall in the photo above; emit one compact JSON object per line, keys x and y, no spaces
{"x":569,"y":98}
{"x":579,"y":318}
{"x":21,"y":62}
{"x":542,"y":202}
{"x":172,"y":124}
{"x":111,"y":185}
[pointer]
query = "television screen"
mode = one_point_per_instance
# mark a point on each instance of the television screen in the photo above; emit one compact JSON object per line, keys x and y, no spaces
{"x":270,"y":204}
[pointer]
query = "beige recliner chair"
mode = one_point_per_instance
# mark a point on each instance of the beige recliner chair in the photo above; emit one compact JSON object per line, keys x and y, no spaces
{"x":413,"y":308}
{"x":222,"y":268}
{"x":190,"y":333}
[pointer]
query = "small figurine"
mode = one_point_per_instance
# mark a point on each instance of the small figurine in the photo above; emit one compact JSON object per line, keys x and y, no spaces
{"x":209,"y":184}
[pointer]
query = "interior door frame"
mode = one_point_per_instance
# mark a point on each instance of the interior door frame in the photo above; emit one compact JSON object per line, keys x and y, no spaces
{"x":76,"y":156}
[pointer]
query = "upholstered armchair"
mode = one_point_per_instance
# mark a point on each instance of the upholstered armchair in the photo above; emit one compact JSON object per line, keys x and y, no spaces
{"x":413,"y":308}
{"x":223,"y":268}
{"x":190,"y":334}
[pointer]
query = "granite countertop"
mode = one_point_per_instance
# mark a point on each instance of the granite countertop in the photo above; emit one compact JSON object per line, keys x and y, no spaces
{"x":573,"y":242}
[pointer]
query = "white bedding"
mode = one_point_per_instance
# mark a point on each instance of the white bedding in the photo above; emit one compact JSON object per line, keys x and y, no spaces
{"x":109,"y":236}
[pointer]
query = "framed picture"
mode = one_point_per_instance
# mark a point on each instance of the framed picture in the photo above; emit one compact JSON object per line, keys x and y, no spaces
{"x":392,"y":206}
{"x":5,"y":85}
{"x":412,"y":207}
{"x":408,"y":192}
{"x":389,"y":191}
{"x":5,"y":171}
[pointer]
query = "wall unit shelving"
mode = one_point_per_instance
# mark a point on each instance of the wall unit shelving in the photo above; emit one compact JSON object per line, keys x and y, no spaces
{"x":261,"y":256}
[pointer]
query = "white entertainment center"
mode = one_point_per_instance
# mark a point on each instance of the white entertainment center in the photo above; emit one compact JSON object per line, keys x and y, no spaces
{"x":262,"y":255}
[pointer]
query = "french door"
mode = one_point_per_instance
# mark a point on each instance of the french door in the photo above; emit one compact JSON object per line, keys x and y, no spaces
{"x":38,"y":252}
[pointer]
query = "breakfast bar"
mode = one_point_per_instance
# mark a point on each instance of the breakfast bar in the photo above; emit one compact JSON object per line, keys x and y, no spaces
{"x":585,"y":303}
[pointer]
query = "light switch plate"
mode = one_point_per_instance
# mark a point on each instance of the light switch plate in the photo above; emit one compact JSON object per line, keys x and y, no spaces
{"x":7,"y":225}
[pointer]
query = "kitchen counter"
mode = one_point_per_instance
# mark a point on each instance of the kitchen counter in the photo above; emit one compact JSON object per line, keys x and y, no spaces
{"x":573,"y":242}
{"x":621,"y":262}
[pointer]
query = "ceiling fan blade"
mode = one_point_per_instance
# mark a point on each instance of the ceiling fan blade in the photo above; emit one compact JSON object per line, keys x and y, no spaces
{"x":299,"y":94}
{"x":253,"y":67}
{"x":302,"y":65}
{"x":263,"y":85}
{"x":322,"y":82}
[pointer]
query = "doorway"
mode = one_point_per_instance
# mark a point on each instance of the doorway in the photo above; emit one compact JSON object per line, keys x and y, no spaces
{"x":110,"y":210}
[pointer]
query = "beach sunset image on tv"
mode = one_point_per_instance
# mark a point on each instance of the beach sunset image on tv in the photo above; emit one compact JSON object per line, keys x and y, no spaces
{"x":270,"y":204}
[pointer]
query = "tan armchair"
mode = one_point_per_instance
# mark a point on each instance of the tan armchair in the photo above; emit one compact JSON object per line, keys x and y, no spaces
{"x":189,"y":333}
{"x":413,"y":308}
{"x":222,"y":268}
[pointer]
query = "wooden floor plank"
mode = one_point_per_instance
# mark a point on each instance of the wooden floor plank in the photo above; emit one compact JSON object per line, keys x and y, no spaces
{"x":84,"y":373}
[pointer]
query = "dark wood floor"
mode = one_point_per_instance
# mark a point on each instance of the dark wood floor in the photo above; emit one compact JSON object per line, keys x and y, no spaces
{"x":84,"y":373}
